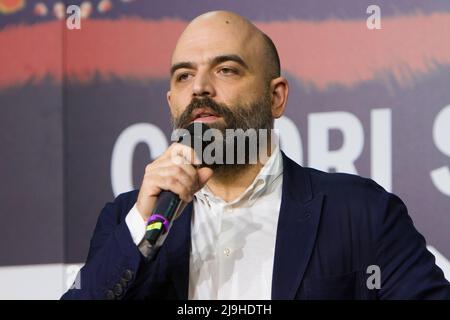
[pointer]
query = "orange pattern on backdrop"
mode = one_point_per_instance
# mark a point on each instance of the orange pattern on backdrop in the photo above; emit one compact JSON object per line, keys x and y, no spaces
{"x":317,"y":53}
{"x":11,"y":6}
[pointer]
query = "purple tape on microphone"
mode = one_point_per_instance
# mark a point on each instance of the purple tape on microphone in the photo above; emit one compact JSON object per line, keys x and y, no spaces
{"x":159,"y":218}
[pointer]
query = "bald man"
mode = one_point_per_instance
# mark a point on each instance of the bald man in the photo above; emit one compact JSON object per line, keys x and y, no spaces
{"x":265,"y":230}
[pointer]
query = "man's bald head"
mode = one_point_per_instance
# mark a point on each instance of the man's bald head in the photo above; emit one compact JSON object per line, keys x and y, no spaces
{"x":224,"y":64}
{"x":272,"y":58}
{"x":230,"y":26}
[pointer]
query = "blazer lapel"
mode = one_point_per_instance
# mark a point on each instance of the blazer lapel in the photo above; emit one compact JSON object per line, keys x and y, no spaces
{"x":296,"y":232}
{"x":178,"y":252}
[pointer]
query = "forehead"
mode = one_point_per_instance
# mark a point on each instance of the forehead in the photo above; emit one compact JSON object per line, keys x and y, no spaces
{"x":202,"y":42}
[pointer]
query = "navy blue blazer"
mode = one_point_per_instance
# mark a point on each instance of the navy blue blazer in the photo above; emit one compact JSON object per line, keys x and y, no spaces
{"x":331,"y":228}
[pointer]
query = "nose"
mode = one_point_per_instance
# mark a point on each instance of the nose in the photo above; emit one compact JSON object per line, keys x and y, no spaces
{"x":203,"y":85}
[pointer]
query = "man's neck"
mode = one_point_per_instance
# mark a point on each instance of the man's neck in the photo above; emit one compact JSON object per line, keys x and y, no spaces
{"x":228,"y":187}
{"x":231,"y":184}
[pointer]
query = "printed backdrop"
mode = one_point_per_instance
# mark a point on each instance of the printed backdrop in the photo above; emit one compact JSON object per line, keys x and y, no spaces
{"x":83,"y":111}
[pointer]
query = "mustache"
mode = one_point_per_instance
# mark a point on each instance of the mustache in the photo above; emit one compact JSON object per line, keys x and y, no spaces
{"x":186,"y":117}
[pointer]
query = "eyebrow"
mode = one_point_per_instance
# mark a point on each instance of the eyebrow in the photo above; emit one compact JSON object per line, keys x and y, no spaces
{"x":214,"y":61}
{"x":180,"y":65}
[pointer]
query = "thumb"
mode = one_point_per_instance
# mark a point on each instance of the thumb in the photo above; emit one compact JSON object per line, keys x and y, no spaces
{"x":203,"y":175}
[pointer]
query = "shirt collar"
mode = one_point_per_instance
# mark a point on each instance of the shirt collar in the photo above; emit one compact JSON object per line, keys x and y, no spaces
{"x":271,"y":170}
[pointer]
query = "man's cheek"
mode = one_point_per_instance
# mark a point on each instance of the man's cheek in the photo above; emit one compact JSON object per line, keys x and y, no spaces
{"x":177,"y":113}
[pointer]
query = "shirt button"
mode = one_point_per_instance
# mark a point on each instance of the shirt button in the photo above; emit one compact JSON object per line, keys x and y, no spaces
{"x":110,"y":295}
{"x":227,"y":252}
{"x":127,"y":275}
{"x":118,"y":289}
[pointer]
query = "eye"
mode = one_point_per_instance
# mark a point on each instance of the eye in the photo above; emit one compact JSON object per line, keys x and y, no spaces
{"x":182,"y":77}
{"x":228,"y":71}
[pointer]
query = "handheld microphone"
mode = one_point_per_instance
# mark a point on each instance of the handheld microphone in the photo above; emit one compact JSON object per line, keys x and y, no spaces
{"x":169,"y":205}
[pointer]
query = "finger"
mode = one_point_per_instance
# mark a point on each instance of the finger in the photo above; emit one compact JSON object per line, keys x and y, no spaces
{"x":167,"y":167}
{"x":189,"y":182}
{"x":178,"y":161}
{"x":176,"y":186}
{"x":178,"y":149}
{"x":204,"y":174}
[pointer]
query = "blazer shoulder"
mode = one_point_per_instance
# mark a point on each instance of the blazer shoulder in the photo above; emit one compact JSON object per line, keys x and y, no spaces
{"x":127,"y":198}
{"x":343,"y":187}
{"x":344,"y":184}
{"x":120,"y":206}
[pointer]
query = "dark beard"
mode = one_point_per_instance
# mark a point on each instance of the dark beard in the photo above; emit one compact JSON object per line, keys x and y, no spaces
{"x":256,"y":115}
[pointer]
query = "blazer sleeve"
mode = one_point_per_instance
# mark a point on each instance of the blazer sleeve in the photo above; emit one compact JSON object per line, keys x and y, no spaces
{"x":408,"y":269}
{"x":114,"y":264}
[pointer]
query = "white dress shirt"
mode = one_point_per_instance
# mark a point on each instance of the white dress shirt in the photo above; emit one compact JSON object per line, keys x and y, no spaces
{"x":232,"y":243}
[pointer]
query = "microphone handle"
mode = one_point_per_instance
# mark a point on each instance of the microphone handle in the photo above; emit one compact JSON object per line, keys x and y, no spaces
{"x":169,"y":205}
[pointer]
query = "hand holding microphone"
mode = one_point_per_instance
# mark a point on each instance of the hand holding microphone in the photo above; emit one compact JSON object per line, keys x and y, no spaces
{"x":167,"y":173}
{"x":169,"y":183}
